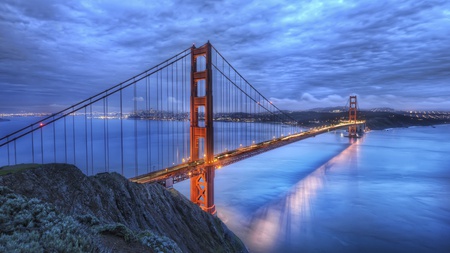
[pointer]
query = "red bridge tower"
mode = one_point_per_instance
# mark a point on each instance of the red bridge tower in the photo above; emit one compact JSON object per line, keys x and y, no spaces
{"x":202,"y":185}
{"x":352,"y":116}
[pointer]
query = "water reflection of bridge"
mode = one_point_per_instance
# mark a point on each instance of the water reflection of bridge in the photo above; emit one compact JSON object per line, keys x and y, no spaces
{"x":287,"y":220}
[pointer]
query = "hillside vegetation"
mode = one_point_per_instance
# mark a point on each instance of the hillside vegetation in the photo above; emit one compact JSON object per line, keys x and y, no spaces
{"x":56,"y":208}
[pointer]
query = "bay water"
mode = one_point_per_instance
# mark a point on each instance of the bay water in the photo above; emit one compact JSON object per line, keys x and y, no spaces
{"x":386,"y":192}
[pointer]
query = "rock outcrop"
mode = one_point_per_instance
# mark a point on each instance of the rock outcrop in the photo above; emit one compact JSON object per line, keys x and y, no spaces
{"x":112,"y":199}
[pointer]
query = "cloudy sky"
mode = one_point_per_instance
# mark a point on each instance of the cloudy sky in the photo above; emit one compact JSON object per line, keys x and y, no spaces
{"x":301,"y":54}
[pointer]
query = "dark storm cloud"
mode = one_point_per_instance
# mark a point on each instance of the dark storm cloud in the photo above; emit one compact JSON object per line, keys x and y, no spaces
{"x":303,"y":53}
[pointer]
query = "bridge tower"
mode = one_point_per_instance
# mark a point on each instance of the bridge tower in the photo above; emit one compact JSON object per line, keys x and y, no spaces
{"x":352,"y":116}
{"x":202,"y":183}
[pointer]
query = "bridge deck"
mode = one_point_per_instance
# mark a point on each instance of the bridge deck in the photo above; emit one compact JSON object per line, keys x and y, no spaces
{"x":186,"y":170}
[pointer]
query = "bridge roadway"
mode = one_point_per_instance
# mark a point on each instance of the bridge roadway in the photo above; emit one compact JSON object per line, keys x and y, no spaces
{"x":184,"y":171}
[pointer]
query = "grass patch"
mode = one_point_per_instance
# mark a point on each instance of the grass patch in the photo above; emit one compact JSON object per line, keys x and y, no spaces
{"x":10,"y":169}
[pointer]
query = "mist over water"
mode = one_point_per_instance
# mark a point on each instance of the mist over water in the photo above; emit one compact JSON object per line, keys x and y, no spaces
{"x":386,"y":192}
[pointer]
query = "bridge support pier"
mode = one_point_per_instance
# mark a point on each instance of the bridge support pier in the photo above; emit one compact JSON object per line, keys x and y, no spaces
{"x":202,"y":184}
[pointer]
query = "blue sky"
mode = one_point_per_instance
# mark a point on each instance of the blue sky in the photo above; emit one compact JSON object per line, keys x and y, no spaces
{"x":300,"y":54}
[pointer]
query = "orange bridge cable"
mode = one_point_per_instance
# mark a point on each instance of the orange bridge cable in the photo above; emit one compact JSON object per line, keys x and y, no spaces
{"x":257,"y":102}
{"x":249,"y":82}
{"x":80,"y":104}
{"x":64,"y":111}
{"x":258,"y":93}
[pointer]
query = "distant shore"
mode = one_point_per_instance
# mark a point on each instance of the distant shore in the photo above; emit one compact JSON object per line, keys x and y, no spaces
{"x":374,"y":120}
{"x":399,"y":121}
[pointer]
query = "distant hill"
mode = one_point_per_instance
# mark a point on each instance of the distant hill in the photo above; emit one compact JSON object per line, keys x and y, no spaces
{"x":376,"y":119}
{"x":345,"y":108}
{"x":382,"y":109}
{"x":383,"y":120}
{"x":329,"y":109}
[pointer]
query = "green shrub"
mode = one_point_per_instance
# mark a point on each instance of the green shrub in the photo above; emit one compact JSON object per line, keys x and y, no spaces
{"x":87,"y":220}
{"x":159,"y":243}
{"x":117,"y":229}
{"x":29,"y":225}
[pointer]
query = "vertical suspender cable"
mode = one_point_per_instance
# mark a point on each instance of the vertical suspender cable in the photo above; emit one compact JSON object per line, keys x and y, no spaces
{"x":177,"y":160}
{"x":54,"y":140}
{"x":167,"y":111}
{"x":92,"y":141}
{"x":147,"y":114}
{"x":42,"y":146}
{"x":86,"y":140}
{"x":222,"y":83}
{"x":15,"y":152}
{"x":73,"y":137}
{"x":183,"y":95}
{"x":32,"y":144}
{"x":107,"y":134}
{"x":161,"y":151}
{"x":136,"y":169}
{"x":172,"y":119}
{"x":121,"y":132}
{"x":158,"y":99}
{"x":65,"y":141}
{"x":9,"y":162}
{"x":105,"y":119}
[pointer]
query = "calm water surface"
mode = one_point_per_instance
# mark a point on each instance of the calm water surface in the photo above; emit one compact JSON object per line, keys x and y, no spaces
{"x":386,"y":192}
{"x":96,"y":145}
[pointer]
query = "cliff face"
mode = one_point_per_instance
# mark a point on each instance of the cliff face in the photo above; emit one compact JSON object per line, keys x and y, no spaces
{"x":112,"y":199}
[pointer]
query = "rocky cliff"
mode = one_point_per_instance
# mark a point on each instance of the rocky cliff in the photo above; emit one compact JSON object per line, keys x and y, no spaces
{"x":118,"y":214}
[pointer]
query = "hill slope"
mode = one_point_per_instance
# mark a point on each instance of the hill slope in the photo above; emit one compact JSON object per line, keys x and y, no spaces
{"x":111,"y":200}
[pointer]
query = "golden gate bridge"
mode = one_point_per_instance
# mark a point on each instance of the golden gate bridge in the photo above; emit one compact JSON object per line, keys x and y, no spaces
{"x":181,"y":119}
